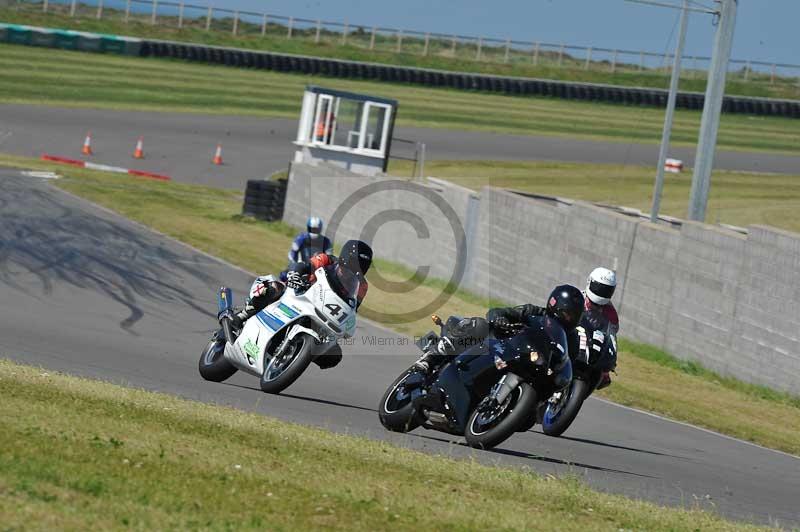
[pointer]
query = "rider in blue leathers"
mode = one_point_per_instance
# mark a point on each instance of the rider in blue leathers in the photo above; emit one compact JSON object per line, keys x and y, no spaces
{"x":266,"y":288}
{"x":308,"y":244}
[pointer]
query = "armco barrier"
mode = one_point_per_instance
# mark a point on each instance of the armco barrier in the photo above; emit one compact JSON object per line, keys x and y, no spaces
{"x":282,"y":62}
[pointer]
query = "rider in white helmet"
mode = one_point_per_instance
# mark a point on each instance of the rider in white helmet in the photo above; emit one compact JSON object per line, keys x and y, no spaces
{"x":600,"y":288}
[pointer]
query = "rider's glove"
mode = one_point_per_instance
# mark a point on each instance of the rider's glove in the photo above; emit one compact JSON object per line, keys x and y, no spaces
{"x":295,"y":281}
{"x":259,"y":290}
{"x":501,"y":323}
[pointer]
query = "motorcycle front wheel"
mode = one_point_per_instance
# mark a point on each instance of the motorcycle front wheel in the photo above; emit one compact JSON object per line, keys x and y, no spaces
{"x":559,"y":416}
{"x":213,"y":366}
{"x":396,"y":410}
{"x":281,"y":371}
{"x":491,"y":423}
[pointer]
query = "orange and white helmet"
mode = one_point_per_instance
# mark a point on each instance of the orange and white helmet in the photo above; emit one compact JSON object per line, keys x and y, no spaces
{"x":600,"y":286}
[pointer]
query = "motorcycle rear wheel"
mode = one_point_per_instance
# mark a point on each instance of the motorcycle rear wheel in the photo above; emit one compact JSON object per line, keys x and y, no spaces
{"x":554,"y":423}
{"x":280,"y":373}
{"x":396,"y":410}
{"x":213,"y":366}
{"x":491,"y":424}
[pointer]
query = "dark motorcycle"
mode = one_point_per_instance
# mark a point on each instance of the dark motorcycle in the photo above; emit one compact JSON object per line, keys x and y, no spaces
{"x":595,"y":352}
{"x":489,"y":391}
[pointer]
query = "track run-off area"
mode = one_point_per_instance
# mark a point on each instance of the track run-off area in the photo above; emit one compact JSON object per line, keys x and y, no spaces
{"x":182,"y":145}
{"x":93,"y":294}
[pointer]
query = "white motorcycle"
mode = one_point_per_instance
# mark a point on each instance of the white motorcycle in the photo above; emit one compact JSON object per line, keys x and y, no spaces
{"x":279,"y":342}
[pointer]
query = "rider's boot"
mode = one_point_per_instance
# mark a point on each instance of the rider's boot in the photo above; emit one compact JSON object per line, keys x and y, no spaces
{"x":434,"y":355}
{"x":240,"y":317}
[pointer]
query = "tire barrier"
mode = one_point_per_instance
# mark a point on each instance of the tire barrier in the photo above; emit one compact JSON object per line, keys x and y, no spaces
{"x":264,"y":200}
{"x":337,"y":68}
{"x":281,"y":62}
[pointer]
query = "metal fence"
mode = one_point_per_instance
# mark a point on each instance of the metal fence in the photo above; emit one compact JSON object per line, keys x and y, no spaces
{"x":480,"y":49}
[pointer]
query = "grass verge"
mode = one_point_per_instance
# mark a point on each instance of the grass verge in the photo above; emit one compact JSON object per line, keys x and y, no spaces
{"x":80,"y":454}
{"x":66,"y":78}
{"x":440,"y":54}
{"x":736,"y":198}
{"x":648,"y":378}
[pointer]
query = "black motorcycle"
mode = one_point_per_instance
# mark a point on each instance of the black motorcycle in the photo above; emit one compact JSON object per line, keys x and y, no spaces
{"x":489,"y":391}
{"x":595,"y":352}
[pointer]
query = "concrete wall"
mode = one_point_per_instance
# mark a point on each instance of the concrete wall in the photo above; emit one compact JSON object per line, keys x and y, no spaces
{"x":322,"y":189}
{"x":727,"y":300}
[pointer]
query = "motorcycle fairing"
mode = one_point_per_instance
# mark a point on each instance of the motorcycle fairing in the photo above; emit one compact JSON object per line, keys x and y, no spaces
{"x":462,"y":383}
{"x":471,"y":376}
{"x":313,"y":311}
{"x":598,"y":348}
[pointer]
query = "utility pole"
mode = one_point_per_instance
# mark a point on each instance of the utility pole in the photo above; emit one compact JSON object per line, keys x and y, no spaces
{"x":712,"y":107}
{"x":665,"y":134}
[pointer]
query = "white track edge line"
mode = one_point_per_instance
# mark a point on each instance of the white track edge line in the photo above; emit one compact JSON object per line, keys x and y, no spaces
{"x":703,"y":429}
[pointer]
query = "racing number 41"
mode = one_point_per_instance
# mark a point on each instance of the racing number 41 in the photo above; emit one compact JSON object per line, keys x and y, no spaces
{"x":335,"y":310}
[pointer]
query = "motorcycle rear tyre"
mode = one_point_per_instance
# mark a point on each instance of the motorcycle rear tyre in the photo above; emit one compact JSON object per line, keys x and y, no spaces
{"x":403,"y":419}
{"x":215,"y":368}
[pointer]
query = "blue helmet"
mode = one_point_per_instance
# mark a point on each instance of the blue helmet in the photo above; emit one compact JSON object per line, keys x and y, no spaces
{"x":314,"y":225}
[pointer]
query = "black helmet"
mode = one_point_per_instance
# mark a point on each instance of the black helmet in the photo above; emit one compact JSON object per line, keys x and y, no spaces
{"x":356,"y":256}
{"x":565,"y":304}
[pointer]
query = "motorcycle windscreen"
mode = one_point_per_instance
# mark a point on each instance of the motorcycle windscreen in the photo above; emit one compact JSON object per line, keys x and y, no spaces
{"x":544,"y":336}
{"x":557,"y":336}
{"x":344,"y":283}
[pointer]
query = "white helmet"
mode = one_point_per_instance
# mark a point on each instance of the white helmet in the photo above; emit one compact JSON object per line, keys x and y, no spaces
{"x":600,"y":286}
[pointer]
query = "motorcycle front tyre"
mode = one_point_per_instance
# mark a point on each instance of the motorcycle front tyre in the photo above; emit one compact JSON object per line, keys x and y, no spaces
{"x":302,"y":358}
{"x":510,"y":422}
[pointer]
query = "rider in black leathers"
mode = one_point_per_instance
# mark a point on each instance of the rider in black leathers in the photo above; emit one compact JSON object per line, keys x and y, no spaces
{"x":565,"y":305}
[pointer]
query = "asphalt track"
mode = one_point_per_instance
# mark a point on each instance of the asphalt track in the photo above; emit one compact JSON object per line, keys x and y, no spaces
{"x":182,"y":145}
{"x":93,"y":294}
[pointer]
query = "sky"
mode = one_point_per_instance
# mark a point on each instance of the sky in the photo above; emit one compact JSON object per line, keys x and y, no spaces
{"x":765,"y":29}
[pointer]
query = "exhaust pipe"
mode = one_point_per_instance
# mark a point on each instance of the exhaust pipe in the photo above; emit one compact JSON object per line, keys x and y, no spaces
{"x":225,"y":314}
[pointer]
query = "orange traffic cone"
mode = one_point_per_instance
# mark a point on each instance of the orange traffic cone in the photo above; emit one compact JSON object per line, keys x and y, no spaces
{"x":87,"y":144}
{"x":218,"y":155}
{"x":138,"y":153}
